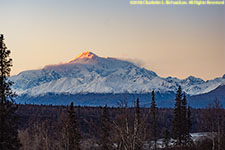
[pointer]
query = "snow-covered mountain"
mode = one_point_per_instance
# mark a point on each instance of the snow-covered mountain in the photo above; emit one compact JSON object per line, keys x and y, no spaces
{"x":89,"y":73}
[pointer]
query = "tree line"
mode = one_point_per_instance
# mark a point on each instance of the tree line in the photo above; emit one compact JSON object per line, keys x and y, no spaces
{"x":123,"y":127}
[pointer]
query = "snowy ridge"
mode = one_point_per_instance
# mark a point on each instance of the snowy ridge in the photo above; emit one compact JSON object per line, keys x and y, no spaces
{"x":89,"y":73}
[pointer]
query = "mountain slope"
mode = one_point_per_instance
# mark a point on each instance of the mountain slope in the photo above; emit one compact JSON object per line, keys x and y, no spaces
{"x":206,"y":98}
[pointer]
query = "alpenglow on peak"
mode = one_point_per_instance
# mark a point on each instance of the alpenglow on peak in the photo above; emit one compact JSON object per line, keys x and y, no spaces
{"x":86,"y":54}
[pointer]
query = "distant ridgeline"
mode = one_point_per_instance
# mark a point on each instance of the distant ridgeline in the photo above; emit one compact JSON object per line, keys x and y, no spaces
{"x":113,"y":100}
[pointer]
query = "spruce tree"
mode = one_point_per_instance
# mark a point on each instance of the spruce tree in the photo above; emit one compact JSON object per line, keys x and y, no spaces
{"x":166,"y":138}
{"x":182,"y":120}
{"x":105,"y":136}
{"x":137,"y":114}
{"x":184,"y":123}
{"x":153,"y":127}
{"x":72,"y":133}
{"x":8,"y":130}
{"x":189,"y":125}
{"x":138,"y":143}
{"x":189,"y":119}
{"x":177,"y":121}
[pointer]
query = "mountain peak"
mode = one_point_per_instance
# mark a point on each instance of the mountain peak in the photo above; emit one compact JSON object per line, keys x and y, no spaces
{"x":84,"y":57}
{"x":194,"y":79}
{"x":86,"y":54}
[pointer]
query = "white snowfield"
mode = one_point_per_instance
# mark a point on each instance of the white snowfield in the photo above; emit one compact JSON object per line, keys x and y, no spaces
{"x":89,"y":73}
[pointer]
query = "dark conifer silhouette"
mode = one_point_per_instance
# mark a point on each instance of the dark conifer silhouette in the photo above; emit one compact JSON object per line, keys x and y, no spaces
{"x":166,"y":139}
{"x":72,"y":134}
{"x":182,"y":120}
{"x":153,"y":126}
{"x":105,"y":136}
{"x":189,"y":125}
{"x":8,"y":130}
{"x":138,"y":143}
{"x":184,"y":123}
{"x":177,"y":121}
